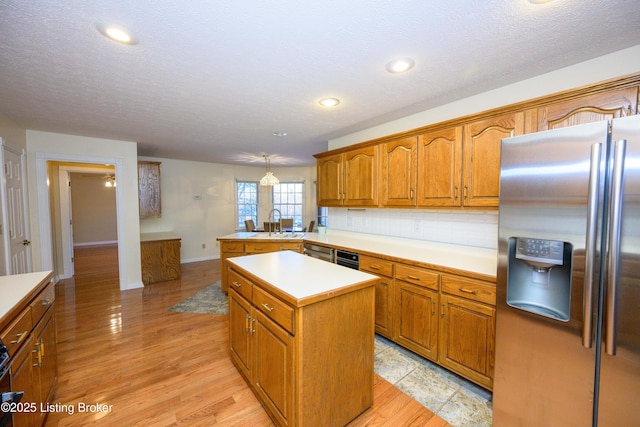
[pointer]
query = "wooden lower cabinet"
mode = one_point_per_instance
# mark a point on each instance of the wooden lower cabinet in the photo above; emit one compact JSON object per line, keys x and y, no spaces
{"x":467,"y":328}
{"x":32,"y":342}
{"x":447,"y":319}
{"x":22,"y":380}
{"x":416,"y":319}
{"x":160,"y":260}
{"x":467,"y":335}
{"x":45,"y":371}
{"x":310,"y":365}
{"x":384,"y":292}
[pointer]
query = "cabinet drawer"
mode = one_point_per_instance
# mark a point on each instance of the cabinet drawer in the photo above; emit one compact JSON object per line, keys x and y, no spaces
{"x":18,"y":332}
{"x":376,"y":266}
{"x":231,"y":247}
{"x":42,"y":303}
{"x":417,"y":276}
{"x":275,"y":309}
{"x":297,"y":247}
{"x":471,"y":289}
{"x":242,"y":285}
{"x":258,"y":248}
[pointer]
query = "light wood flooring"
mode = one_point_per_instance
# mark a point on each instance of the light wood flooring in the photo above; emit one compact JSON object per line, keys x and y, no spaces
{"x":150,"y":367}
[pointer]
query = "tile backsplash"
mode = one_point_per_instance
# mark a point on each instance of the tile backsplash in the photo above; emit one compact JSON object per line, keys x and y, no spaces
{"x":478,"y":229}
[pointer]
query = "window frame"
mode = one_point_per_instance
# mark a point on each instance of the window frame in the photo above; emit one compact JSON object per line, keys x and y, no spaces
{"x":296,"y":207}
{"x":240,"y":222}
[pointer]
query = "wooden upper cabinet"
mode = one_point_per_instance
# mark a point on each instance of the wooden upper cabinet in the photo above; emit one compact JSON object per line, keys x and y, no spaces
{"x":588,"y":109}
{"x":439,"y":167}
{"x":361,"y":177}
{"x":481,"y":157}
{"x":398,"y":172}
{"x":348,"y":179}
{"x":149,"y":189}
{"x":329,"y":180}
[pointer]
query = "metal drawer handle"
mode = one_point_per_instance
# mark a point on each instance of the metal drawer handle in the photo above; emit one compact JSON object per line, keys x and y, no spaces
{"x":468,"y":291}
{"x":375,"y":267}
{"x":413,"y":277}
{"x":20,"y":336}
{"x":237,"y":284}
{"x":47,"y":302}
{"x":265,"y":305}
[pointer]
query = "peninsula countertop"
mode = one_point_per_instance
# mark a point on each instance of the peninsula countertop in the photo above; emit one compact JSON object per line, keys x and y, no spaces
{"x":481,"y":261}
{"x":300,"y":279}
{"x":16,"y":291}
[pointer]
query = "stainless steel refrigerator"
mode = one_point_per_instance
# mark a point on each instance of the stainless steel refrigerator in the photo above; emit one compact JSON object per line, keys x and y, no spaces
{"x":568,"y":280}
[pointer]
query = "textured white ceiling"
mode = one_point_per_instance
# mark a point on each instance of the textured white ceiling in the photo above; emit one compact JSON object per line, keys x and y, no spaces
{"x":212,"y":80}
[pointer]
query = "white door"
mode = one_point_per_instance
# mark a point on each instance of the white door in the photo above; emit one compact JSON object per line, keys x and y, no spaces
{"x":17,"y":223}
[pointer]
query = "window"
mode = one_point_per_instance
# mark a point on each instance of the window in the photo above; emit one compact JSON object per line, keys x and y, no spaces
{"x":247,"y":196}
{"x":323,"y":216}
{"x":287,"y":198}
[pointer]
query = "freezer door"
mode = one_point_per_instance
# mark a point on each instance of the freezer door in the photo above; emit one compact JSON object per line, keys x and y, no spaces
{"x":544,"y":376}
{"x":620,"y":373}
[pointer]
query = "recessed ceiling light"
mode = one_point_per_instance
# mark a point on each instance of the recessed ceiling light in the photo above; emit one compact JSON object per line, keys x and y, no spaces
{"x":400,"y":65}
{"x":329,"y":102}
{"x":116,"y":33}
{"x":279,"y":134}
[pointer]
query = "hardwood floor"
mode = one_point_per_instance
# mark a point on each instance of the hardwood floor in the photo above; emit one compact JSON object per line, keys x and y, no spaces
{"x":146,"y":366}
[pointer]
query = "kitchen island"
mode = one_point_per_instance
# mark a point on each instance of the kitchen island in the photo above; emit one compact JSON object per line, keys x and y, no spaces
{"x":302,"y":335}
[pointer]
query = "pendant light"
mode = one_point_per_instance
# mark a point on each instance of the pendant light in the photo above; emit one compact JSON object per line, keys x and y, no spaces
{"x":268,"y":179}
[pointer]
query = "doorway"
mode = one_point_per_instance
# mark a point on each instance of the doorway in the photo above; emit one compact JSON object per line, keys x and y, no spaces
{"x":94,"y":217}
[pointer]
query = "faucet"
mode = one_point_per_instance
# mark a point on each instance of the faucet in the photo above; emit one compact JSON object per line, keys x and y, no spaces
{"x":272,"y":216}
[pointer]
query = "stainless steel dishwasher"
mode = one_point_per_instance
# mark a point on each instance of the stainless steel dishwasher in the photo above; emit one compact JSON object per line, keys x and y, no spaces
{"x":324,"y":253}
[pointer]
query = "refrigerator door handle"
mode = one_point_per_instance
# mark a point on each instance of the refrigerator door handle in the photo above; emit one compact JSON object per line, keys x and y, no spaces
{"x":615,"y":220}
{"x":590,"y":246}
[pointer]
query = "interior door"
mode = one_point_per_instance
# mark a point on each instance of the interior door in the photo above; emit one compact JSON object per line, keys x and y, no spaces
{"x":17,"y":220}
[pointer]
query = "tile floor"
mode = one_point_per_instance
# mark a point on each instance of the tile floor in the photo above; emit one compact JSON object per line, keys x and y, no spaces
{"x":454,"y":399}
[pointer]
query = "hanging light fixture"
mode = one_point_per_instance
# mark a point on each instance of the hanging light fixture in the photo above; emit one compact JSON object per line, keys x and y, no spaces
{"x":268,"y":179}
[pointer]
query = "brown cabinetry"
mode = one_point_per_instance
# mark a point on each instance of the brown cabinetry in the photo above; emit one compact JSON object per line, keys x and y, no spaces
{"x":332,"y":383}
{"x":384,"y":292}
{"x":149,"y":189}
{"x":30,"y":336}
{"x":416,"y":303}
{"x":467,"y":328}
{"x":160,"y":257}
{"x":481,"y":157}
{"x":398,"y":172}
{"x":440,"y":168}
{"x":587,"y":109}
{"x":348,"y":179}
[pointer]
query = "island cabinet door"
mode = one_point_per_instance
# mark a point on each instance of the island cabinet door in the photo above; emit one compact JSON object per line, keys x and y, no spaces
{"x":273,"y":368}
{"x":240,"y":331}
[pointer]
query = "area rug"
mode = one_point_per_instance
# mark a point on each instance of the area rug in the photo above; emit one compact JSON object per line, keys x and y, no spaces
{"x":210,"y":300}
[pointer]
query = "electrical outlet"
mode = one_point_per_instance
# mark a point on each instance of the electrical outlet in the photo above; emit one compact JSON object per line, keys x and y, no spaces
{"x":217,"y":244}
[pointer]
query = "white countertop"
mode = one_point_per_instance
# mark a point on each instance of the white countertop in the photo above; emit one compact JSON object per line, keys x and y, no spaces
{"x":158,"y":236}
{"x":298,"y":275}
{"x":15,"y":288}
{"x":464,"y":258}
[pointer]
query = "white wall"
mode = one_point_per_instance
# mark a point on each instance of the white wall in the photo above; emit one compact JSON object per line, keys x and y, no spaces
{"x":480,"y":228}
{"x":198,"y":201}
{"x":93,"y":206}
{"x":46,"y":146}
